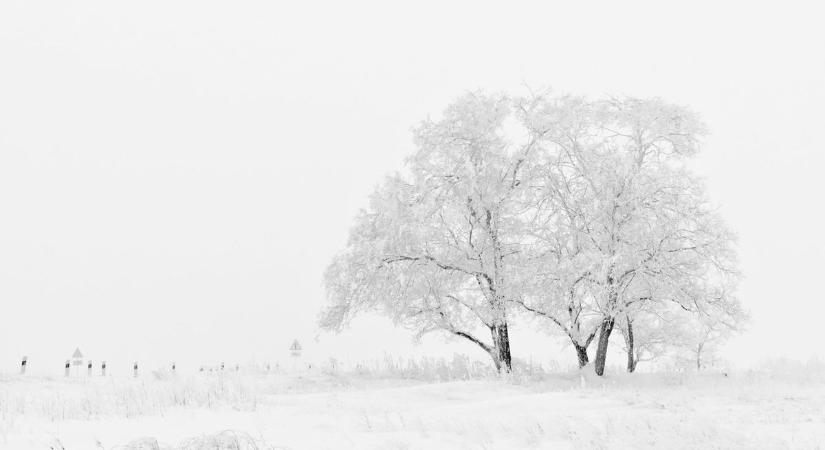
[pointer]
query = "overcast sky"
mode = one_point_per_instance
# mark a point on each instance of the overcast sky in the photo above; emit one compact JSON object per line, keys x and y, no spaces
{"x":175,"y":175}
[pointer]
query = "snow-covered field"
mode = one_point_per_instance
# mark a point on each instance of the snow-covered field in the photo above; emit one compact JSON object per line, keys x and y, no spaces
{"x":327,"y":411}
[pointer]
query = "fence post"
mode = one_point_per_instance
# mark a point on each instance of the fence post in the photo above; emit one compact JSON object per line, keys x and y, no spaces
{"x":89,"y":368}
{"x":221,"y":366}
{"x":136,"y":369}
{"x":68,"y":364}
{"x":103,"y":369}
{"x":23,"y":365}
{"x":173,"y":367}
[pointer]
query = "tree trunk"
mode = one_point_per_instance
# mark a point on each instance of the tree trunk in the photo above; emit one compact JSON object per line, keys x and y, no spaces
{"x":581,"y":353}
{"x":631,"y":350}
{"x":503,"y":347}
{"x":601,"y":351}
{"x":699,"y":357}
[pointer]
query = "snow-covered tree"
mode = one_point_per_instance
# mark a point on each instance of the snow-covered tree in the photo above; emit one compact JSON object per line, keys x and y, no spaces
{"x":652,"y":333}
{"x":582,"y":212}
{"x":557,"y":285}
{"x":653,"y":330}
{"x":626,"y":221}
{"x":568,"y":309}
{"x":701,"y":337}
{"x":439,"y":246}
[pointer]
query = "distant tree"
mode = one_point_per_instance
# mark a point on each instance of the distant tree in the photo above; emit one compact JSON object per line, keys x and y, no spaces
{"x":702,"y":337}
{"x":439,"y":246}
{"x":704,"y":342}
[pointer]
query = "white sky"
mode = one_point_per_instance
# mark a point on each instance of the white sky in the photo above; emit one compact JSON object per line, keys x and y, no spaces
{"x":174,"y":176}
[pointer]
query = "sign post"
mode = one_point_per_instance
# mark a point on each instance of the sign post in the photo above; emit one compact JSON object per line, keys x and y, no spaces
{"x":77,"y":360}
{"x":295,"y":352}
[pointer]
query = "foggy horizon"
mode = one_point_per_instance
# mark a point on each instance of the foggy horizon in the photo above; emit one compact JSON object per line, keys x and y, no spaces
{"x":175,"y":178}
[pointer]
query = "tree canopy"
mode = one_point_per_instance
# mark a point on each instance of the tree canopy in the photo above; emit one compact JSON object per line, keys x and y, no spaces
{"x":580,"y":211}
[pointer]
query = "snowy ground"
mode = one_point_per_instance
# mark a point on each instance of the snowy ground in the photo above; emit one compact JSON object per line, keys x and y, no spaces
{"x":322,"y":411}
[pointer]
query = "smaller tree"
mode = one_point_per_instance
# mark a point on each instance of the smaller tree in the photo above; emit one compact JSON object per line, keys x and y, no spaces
{"x":562,"y":299}
{"x":556,"y":280}
{"x":651,"y":334}
{"x":702,"y":338}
